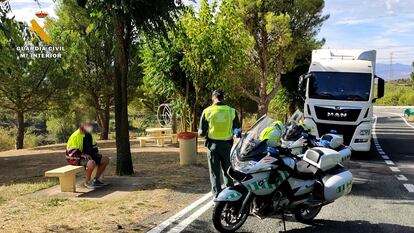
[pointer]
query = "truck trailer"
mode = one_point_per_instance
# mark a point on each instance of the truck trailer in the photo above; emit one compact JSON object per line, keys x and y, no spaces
{"x":339,"y":94}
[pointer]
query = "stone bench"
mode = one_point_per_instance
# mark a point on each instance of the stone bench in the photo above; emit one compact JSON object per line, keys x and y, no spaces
{"x":67,"y":176}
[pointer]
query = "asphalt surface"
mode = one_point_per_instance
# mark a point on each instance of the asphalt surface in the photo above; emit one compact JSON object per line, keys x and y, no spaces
{"x":380,"y":200}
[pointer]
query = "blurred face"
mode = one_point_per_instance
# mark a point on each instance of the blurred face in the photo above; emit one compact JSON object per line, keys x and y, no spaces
{"x":214,"y":99}
{"x":88,"y":127}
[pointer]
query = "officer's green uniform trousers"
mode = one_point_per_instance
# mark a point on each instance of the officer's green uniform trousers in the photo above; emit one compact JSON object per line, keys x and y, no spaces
{"x":219,"y":157}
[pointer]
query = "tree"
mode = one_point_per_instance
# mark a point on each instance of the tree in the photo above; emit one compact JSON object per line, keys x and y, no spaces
{"x":280,"y":30}
{"x":164,"y":78}
{"x":206,"y":43}
{"x":188,"y":62}
{"x":27,"y":84}
{"x":128,"y":18}
{"x":90,"y":56}
{"x":412,"y":74}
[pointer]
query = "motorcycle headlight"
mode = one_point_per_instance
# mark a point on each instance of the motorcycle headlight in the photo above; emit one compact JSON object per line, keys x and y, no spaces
{"x":364,"y":132}
{"x":242,"y":165}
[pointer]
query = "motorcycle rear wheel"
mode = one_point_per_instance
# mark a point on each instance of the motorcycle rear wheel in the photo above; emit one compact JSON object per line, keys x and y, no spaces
{"x":226,"y":218}
{"x":306,"y":214}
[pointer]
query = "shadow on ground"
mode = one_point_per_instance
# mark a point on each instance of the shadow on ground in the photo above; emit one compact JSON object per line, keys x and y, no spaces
{"x":320,"y":226}
{"x":156,"y":169}
{"x":329,"y":226}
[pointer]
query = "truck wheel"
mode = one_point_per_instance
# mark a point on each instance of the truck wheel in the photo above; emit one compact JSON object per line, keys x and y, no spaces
{"x":306,"y":214}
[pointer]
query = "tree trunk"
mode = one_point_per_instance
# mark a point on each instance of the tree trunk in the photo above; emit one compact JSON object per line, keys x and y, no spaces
{"x":195,"y":108}
{"x":262,"y":107}
{"x":124,"y":160}
{"x":20,"y":130}
{"x":174,"y":123}
{"x":104,"y":123}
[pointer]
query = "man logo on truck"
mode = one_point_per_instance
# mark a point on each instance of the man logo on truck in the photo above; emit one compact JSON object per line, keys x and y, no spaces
{"x":336,"y":114}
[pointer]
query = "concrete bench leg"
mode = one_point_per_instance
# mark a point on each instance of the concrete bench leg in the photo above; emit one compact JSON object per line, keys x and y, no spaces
{"x":160,"y":141}
{"x":68,"y":183}
{"x":174,"y":139}
{"x":142,"y":142}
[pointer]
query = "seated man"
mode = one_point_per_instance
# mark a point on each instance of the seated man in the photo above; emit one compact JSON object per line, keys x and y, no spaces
{"x":82,"y":150}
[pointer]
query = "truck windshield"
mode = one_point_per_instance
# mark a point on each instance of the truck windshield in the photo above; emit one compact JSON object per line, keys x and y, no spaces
{"x":340,"y":86}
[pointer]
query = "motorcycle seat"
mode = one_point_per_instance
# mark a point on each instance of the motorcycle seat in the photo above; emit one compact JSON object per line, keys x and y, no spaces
{"x":304,"y":170}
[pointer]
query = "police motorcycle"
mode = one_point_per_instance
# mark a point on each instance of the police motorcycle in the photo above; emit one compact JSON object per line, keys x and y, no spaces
{"x":297,"y":139}
{"x":271,"y":184}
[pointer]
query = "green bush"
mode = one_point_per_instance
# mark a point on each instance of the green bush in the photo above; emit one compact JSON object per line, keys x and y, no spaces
{"x":7,"y":140}
{"x":31,"y":140}
{"x":397,"y":94}
{"x":61,"y":128}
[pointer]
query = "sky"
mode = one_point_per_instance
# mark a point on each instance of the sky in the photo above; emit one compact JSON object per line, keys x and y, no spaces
{"x":384,"y":25}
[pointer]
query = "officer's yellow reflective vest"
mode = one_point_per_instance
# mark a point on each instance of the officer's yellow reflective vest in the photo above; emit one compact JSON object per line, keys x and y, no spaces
{"x":220,"y":121}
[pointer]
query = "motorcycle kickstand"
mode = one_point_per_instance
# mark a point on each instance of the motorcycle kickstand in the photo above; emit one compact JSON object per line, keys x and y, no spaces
{"x":284,"y":222}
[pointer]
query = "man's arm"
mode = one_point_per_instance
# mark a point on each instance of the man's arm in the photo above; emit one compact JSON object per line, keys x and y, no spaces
{"x":203,"y":127}
{"x":236,"y":121}
{"x":236,"y":126}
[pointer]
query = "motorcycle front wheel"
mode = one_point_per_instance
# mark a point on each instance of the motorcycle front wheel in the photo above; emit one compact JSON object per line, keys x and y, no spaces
{"x":306,"y":214}
{"x":226,"y":217}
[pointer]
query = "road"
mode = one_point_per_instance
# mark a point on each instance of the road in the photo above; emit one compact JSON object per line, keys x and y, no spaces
{"x":382,"y":198}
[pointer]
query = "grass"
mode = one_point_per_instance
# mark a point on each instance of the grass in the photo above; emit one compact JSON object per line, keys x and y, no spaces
{"x":167,"y":188}
{"x":10,"y":192}
{"x":56,"y":201}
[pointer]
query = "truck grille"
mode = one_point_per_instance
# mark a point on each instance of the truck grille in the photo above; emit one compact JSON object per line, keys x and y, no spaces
{"x":346,"y":130}
{"x":337,"y":113}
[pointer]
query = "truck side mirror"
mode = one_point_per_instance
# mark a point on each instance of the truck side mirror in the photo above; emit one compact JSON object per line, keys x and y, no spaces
{"x":302,"y":82}
{"x":380,"y":88}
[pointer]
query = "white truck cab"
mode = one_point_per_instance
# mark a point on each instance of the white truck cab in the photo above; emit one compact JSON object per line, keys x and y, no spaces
{"x":340,"y":94}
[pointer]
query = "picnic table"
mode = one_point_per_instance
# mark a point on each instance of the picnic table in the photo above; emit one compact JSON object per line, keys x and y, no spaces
{"x":159,"y":135}
{"x":158,"y":131}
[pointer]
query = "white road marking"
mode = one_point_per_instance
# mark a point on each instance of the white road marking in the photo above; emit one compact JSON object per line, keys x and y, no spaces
{"x":409,"y":187}
{"x":395,"y":169}
{"x":183,"y":224}
{"x":401,"y":177}
{"x":389,"y":162}
{"x":396,"y":133}
{"x":180,"y":214}
{"x":402,"y":117}
{"x":392,"y":130}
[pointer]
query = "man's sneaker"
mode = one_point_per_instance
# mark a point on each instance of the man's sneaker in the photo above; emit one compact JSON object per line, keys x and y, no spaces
{"x":98,"y":183}
{"x":89,"y":185}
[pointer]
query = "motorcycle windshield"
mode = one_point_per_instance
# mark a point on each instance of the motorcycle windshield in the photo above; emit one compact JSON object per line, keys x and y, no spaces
{"x":251,"y":138}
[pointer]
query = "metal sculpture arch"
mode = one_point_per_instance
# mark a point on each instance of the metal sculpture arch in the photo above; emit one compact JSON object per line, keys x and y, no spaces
{"x":164,"y":115}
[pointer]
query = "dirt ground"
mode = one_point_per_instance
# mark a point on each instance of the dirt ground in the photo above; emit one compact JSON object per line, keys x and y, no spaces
{"x":166,"y":189}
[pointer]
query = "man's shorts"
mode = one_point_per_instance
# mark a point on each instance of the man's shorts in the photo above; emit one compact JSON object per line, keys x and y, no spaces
{"x":96,"y":157}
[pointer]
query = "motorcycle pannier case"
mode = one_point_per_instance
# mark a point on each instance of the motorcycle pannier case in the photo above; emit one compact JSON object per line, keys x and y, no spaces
{"x":337,"y":185}
{"x":334,"y":140}
{"x":322,"y":158}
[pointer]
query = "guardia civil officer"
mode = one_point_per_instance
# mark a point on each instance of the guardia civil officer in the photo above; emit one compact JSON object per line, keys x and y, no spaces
{"x":219,"y":124}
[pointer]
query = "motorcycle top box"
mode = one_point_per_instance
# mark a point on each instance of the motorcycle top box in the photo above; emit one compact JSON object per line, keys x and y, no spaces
{"x":322,"y":158}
